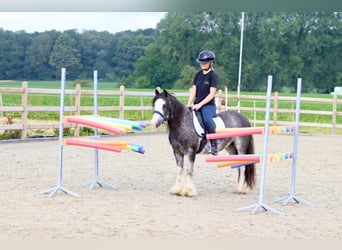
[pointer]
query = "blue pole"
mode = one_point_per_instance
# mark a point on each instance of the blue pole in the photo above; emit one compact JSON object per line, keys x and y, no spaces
{"x":96,"y":152}
{"x":264,"y":157}
{"x":295,"y":139}
{"x":53,"y":191}
{"x":96,"y":167}
{"x":292,"y":195}
{"x":266,"y":128}
{"x":60,"y":137}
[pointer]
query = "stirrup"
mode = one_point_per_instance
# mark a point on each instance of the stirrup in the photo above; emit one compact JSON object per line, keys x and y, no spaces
{"x":214,"y":153}
{"x":213,"y":150}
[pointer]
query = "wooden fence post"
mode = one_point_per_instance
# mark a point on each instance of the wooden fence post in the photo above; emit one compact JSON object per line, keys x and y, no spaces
{"x":225,"y":98}
{"x":334,"y":113}
{"x":142,"y":104}
{"x":275,"y":109}
{"x":1,"y":113}
{"x":219,"y":101}
{"x":122,"y":102}
{"x":24,"y":100}
{"x":77,"y":107}
{"x":24,"y":109}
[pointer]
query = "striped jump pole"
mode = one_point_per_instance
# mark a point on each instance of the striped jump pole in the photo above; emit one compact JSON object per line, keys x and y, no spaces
{"x":224,"y":158}
{"x":59,"y":187}
{"x":94,"y":122}
{"x":240,"y":162}
{"x":233,"y":133}
{"x":235,"y":164}
{"x":100,"y":143}
{"x":273,"y":130}
{"x":116,"y":126}
{"x":292,"y":195}
{"x":244,"y":131}
{"x":95,"y":145}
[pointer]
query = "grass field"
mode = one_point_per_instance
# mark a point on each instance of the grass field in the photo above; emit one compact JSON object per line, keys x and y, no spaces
{"x":87,"y":100}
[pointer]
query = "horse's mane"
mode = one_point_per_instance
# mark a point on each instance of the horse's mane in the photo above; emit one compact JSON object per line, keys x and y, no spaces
{"x":177,"y":107}
{"x":174,"y":98}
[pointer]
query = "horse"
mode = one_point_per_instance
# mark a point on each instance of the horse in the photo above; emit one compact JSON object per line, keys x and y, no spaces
{"x":185,"y":141}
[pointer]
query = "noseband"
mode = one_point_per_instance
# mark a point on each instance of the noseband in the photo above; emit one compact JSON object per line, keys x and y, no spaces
{"x":161,"y":114}
{"x":170,"y":115}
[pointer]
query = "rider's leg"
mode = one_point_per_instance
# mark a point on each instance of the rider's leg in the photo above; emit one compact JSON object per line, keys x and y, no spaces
{"x":208,"y":113}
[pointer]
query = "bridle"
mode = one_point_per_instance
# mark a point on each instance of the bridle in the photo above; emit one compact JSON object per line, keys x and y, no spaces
{"x":167,"y":118}
{"x":161,"y":114}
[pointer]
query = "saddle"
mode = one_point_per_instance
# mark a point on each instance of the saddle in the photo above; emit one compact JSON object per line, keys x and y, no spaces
{"x":199,"y":125}
{"x":200,"y":128}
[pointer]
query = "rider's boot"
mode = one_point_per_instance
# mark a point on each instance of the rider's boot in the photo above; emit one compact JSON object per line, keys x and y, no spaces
{"x":213,"y":148}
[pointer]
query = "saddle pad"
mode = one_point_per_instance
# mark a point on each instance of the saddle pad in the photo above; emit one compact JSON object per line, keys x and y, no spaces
{"x":200,"y":131}
{"x":219,"y":122}
{"x":198,"y":127}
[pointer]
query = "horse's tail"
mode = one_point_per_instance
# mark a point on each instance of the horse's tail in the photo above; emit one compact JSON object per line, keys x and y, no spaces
{"x":250,"y":168}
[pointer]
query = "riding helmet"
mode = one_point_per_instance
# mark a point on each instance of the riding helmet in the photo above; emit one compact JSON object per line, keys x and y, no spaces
{"x":205,"y":56}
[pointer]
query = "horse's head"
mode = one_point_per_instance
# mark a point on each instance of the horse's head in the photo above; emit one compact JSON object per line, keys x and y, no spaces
{"x":160,"y":108}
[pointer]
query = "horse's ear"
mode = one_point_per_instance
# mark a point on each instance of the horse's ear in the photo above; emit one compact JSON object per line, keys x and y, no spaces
{"x":165,"y":92}
{"x":157,"y":91}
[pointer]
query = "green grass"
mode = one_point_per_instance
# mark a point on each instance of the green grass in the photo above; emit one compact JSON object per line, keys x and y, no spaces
{"x":68,"y":85}
{"x":9,"y":99}
{"x":69,"y":100}
{"x":38,"y":84}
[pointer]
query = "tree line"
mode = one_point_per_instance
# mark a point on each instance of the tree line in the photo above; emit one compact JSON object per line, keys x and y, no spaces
{"x":285,"y":45}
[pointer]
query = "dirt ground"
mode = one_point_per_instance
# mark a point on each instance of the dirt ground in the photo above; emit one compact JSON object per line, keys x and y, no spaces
{"x":141,"y":207}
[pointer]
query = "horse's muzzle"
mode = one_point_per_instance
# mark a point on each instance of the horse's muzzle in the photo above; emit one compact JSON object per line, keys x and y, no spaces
{"x":157,"y":119}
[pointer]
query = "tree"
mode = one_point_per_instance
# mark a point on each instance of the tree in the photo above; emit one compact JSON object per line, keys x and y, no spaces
{"x":94,"y":50}
{"x":142,"y":82}
{"x":12,"y":53}
{"x":156,"y":68}
{"x":183,"y":35}
{"x":128,"y":48}
{"x":286,"y":45}
{"x":186,"y":77}
{"x":66,"y":54}
{"x":37,"y":57}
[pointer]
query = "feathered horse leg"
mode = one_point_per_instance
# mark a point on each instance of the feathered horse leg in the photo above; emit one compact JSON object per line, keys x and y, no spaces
{"x":184,"y":185}
{"x":178,"y":187}
{"x":189,"y":188}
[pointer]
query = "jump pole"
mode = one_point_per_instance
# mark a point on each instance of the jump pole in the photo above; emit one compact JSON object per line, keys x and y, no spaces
{"x":96,"y":151}
{"x":233,"y":133}
{"x":292,"y":195}
{"x":53,"y":191}
{"x":261,"y":203}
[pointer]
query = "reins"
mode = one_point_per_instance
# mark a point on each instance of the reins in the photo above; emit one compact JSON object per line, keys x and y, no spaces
{"x":172,"y":117}
{"x":169,"y":118}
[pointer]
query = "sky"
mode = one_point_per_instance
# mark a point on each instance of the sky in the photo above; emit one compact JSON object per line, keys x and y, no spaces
{"x":100,"y":21}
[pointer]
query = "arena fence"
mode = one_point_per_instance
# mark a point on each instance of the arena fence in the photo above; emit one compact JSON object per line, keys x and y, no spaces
{"x":256,"y":105}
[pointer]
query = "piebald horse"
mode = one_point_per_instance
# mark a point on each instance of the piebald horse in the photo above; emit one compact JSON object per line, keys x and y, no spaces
{"x":185,"y":141}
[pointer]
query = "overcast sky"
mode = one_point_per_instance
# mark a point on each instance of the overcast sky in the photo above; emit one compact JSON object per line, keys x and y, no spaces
{"x":101,"y":21}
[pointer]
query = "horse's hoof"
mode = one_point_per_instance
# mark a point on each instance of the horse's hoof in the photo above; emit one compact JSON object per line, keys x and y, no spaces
{"x":188,"y":192}
{"x":192,"y":194}
{"x":171,"y":192}
{"x":241,"y":190}
{"x":175,"y":191}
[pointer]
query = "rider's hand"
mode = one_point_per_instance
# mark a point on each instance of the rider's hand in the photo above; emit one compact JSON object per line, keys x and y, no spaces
{"x":196,"y":106}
